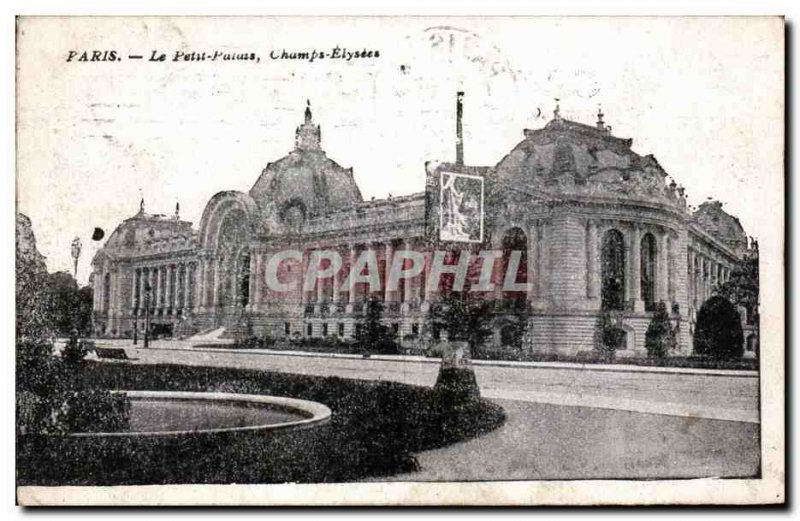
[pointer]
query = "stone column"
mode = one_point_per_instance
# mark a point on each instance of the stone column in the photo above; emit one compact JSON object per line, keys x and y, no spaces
{"x":320,"y":290}
{"x":388,"y":296}
{"x":112,"y":302}
{"x":407,"y":282}
{"x":199,"y":283}
{"x":690,"y":275}
{"x":335,"y":283}
{"x":302,"y":278}
{"x":95,"y":292}
{"x":134,"y":283}
{"x":369,"y":291}
{"x":258,"y":282}
{"x":703,"y":280}
{"x":544,"y":260}
{"x":636,"y":269}
{"x":351,"y":290}
{"x":533,"y":264}
{"x":159,"y":284}
{"x":168,"y":293}
{"x":143,"y":274}
{"x":215,"y":282}
{"x":429,"y":286}
{"x":592,"y":262}
{"x":234,"y":279}
{"x":662,"y":270}
{"x":191,"y":291}
{"x":185,"y":287}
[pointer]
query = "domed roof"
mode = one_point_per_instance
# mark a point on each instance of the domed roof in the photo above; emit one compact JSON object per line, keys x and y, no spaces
{"x":148,"y":233}
{"x":722,"y":225}
{"x":567,"y":146}
{"x":306,"y":179}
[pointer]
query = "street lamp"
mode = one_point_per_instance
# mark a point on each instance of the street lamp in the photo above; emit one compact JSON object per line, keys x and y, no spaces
{"x":75,"y":251}
{"x":147,"y":291}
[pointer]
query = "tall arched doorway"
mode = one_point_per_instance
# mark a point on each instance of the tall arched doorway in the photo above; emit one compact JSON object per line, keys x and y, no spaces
{"x":232,"y":242}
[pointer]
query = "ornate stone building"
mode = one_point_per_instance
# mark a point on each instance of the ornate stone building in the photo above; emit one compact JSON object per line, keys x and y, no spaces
{"x":599,"y":227}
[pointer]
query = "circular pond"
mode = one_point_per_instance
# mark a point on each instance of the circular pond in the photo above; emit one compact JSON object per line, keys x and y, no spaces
{"x":174,"y":413}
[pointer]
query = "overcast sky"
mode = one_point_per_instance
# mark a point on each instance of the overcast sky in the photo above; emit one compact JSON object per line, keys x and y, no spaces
{"x":703,"y":95}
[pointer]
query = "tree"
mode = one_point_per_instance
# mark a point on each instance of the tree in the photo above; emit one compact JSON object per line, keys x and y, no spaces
{"x":464,"y":316}
{"x":742,"y":286}
{"x":47,"y":397}
{"x":70,"y":306}
{"x":608,"y":336}
{"x":373,"y":334}
{"x":659,"y":340}
{"x":718,"y":332}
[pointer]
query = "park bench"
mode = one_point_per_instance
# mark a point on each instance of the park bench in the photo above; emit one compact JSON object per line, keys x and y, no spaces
{"x":112,"y":353}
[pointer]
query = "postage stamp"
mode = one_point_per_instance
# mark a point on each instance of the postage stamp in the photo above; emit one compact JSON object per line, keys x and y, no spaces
{"x":441,"y":261}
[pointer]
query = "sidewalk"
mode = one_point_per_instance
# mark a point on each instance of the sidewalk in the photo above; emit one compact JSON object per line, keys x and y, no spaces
{"x":629,"y":388}
{"x":186,"y":346}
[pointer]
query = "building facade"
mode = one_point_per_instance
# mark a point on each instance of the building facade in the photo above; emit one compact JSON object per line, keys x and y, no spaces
{"x":599,"y":227}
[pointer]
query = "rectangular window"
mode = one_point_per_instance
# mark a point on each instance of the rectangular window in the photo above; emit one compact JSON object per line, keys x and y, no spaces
{"x":287,"y":328}
{"x":415,"y":330}
{"x":341,"y":329}
{"x":309,"y":331}
{"x":324,"y":329}
{"x":395,"y":328}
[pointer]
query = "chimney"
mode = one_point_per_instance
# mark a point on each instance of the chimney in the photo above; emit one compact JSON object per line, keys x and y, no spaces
{"x":459,"y":133}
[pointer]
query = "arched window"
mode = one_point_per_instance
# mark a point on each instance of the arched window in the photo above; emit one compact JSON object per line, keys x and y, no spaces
{"x":648,"y":271}
{"x":613,"y":270}
{"x":514,"y":240}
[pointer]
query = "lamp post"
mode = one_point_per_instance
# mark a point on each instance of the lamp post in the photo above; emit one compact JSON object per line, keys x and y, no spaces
{"x":147,"y":291}
{"x":75,"y":251}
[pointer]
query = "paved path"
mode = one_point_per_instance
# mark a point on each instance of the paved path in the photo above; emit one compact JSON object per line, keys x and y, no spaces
{"x":733,"y":398}
{"x":543,"y":441}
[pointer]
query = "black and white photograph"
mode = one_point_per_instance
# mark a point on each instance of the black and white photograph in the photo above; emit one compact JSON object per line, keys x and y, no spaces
{"x":399,"y":260}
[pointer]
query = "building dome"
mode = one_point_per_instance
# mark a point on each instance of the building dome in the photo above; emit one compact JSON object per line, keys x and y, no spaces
{"x":145,"y":232}
{"x":305,"y":182}
{"x":572,"y":153}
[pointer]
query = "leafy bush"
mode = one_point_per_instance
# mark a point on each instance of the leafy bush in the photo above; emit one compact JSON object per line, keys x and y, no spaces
{"x":76,"y":350}
{"x":92,"y":410}
{"x":464,"y":316}
{"x":457,"y":385}
{"x":659,"y":340}
{"x":609,"y":336}
{"x":50,"y":399}
{"x":718,"y":332}
{"x":254,"y":342}
{"x":373,"y":336}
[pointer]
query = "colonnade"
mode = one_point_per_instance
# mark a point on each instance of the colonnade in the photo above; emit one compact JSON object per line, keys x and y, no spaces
{"x":704,"y":274}
{"x":169,"y":287}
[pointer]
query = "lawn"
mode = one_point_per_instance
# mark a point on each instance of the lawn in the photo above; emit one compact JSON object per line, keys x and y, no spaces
{"x":375,"y":429}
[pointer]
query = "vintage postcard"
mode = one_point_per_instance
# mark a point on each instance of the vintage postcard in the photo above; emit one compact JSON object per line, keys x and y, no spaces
{"x":399,"y":260}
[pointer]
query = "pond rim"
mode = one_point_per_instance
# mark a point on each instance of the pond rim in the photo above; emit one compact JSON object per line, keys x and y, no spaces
{"x":317,"y":413}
